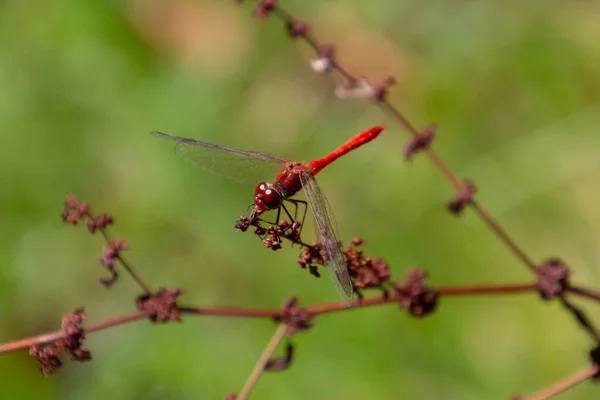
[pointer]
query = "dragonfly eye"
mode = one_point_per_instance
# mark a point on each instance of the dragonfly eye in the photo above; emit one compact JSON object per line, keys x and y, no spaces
{"x":266,"y":197}
{"x":260,"y":188}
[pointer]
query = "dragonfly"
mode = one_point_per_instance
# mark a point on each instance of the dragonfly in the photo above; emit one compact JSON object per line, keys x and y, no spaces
{"x":293,"y":176}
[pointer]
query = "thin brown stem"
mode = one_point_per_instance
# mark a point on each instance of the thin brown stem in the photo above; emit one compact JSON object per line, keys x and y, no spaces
{"x":504,"y":236}
{"x":442,"y":291}
{"x":458,"y":185}
{"x":124,"y":263}
{"x":231,"y":311}
{"x":400,"y":119}
{"x":487,"y":289}
{"x":50,"y":337}
{"x":262,"y":362}
{"x":565,"y":383}
{"x":315,"y":309}
{"x":135,"y":276}
{"x":584,"y":292}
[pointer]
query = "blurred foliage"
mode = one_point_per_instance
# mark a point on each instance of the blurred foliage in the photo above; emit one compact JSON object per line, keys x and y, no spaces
{"x":513,"y":86}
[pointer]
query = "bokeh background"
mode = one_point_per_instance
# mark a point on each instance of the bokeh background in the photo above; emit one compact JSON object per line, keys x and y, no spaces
{"x":513,"y":86}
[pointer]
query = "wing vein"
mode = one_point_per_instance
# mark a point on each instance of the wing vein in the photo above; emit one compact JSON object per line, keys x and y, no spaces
{"x":242,"y":166}
{"x":329,"y":237}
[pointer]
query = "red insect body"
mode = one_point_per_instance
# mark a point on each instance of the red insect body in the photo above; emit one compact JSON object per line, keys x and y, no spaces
{"x":287,"y":182}
{"x":354,"y":142}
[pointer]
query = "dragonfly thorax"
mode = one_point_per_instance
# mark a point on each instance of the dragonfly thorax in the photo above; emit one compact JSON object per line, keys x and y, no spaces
{"x":268,"y":196}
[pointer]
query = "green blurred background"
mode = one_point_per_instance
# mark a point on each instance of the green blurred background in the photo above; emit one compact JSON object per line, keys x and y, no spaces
{"x":514,"y":87}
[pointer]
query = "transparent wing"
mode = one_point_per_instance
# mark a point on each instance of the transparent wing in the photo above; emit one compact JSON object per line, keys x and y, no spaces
{"x":328,"y":236}
{"x":242,"y":166}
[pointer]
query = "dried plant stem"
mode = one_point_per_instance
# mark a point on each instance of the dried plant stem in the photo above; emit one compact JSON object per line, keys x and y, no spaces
{"x":504,"y":236}
{"x":135,"y":276}
{"x":126,"y":265}
{"x":393,"y":112}
{"x":315,"y":309}
{"x":262,"y":362}
{"x":565,"y":383}
{"x":50,"y":337}
{"x":231,"y":311}
{"x":584,"y":292}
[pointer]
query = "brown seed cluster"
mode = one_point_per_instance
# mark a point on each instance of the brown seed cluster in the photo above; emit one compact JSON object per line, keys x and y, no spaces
{"x":263,"y":8}
{"x":162,"y":305}
{"x":417,"y":298}
{"x":230,"y":396}
{"x":420,"y":142}
{"x":552,"y":278}
{"x":74,"y":211}
{"x":297,"y":28}
{"x":272,"y":234}
{"x":109,"y":254}
{"x":296,"y":318}
{"x":47,"y":355}
{"x":312,"y":256}
{"x":281,"y":363}
{"x":367,"y":272}
{"x":381,"y":88}
{"x":463,"y":198}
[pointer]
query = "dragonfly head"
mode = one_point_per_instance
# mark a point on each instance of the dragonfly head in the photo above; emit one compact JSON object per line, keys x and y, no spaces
{"x":266,"y":197}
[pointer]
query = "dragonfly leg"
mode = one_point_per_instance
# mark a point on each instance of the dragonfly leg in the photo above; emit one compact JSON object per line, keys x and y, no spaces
{"x":287,"y":212}
{"x":249,"y":209}
{"x":255,"y":218}
{"x":270,"y":222}
{"x":296,"y":203}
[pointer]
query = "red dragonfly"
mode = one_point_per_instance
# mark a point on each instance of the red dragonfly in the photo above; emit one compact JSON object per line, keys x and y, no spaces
{"x":293,"y":176}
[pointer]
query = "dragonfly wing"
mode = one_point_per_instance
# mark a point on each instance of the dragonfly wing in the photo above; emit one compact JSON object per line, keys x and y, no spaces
{"x":328,"y":236}
{"x":242,"y":166}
